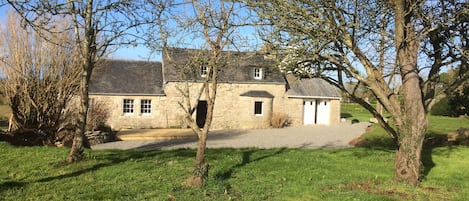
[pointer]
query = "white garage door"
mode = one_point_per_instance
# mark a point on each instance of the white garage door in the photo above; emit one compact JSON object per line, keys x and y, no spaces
{"x":323,"y":112}
{"x":309,"y":112}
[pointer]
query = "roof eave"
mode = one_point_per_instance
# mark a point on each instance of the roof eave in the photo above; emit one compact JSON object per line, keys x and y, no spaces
{"x":315,"y":97}
{"x":125,"y":94}
{"x":230,"y":82}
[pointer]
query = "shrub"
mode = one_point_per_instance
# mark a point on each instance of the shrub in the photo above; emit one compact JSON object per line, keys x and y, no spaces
{"x":279,"y":120}
{"x":98,"y":114}
{"x":442,"y":108}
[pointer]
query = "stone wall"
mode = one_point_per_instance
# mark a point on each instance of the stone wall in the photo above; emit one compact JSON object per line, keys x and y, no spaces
{"x":231,"y":110}
{"x":293,"y":107}
{"x":161,"y":116}
{"x":335,"y":112}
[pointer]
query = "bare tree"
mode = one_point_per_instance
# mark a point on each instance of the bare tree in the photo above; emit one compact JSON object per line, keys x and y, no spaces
{"x":40,"y":77}
{"x":97,"y":27}
{"x":212,"y":24}
{"x":397,"y":49}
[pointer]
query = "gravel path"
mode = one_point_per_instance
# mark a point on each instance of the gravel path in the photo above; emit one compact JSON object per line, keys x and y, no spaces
{"x":307,"y":137}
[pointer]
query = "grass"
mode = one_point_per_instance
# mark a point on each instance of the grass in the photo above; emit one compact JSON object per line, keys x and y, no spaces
{"x":40,"y":173}
{"x":353,"y":111}
{"x":439,"y":126}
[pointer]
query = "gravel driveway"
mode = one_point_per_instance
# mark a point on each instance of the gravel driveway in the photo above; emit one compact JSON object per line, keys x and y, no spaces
{"x":307,"y":137}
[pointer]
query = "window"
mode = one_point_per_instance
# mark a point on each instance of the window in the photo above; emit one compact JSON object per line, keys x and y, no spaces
{"x":203,"y":71}
{"x":128,"y":107}
{"x":145,"y":106}
{"x":258,"y":108}
{"x":257,"y":73}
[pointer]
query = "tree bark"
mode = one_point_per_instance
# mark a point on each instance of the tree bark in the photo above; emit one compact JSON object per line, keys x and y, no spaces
{"x":211,"y":82}
{"x":87,"y":54}
{"x":200,"y":173}
{"x":77,"y":150}
{"x":414,"y":121}
{"x":408,"y":165}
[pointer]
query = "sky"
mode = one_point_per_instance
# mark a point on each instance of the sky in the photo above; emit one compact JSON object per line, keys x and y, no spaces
{"x":125,"y":53}
{"x":245,"y":37}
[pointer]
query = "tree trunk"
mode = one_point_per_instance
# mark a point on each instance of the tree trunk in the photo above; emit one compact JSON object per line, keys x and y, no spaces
{"x":408,"y":165}
{"x":201,"y":167}
{"x":88,"y":53}
{"x":414,"y":120}
{"x":77,"y":150}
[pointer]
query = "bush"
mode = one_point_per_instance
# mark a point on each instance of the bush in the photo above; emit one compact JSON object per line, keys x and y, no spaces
{"x":442,"y":108}
{"x":279,"y":120}
{"x":98,"y":114}
{"x":456,"y":104}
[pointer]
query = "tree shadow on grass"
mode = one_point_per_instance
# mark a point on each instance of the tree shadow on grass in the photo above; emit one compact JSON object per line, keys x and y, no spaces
{"x":432,"y":140}
{"x":345,"y":115}
{"x":11,"y":184}
{"x":111,"y":158}
{"x":246,"y":156}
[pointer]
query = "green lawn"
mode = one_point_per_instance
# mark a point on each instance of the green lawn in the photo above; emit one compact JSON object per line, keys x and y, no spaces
{"x":40,"y":173}
{"x":439,"y":126}
{"x":353,"y":111}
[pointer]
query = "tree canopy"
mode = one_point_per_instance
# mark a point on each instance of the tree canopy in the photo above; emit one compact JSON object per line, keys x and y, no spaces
{"x":396,"y":49}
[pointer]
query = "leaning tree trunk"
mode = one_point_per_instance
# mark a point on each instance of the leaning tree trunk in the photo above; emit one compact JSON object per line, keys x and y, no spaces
{"x":88,"y":52}
{"x":77,"y":150}
{"x":413,"y":120}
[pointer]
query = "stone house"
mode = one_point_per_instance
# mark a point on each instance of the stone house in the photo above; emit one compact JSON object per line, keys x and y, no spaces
{"x":251,"y":89}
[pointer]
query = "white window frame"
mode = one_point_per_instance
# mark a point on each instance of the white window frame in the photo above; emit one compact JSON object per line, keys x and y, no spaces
{"x":128,"y":106}
{"x":145,"y":106}
{"x":257,"y":73}
{"x":203,"y":71}
{"x":261,"y":104}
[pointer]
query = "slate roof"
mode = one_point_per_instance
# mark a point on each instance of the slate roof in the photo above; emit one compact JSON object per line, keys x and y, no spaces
{"x":127,"y":77}
{"x":239,"y":67}
{"x":257,"y":93}
{"x":311,"y":88}
{"x":123,"y":77}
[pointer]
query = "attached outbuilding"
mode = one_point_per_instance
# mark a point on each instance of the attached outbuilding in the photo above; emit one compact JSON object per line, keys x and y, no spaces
{"x":320,"y":101}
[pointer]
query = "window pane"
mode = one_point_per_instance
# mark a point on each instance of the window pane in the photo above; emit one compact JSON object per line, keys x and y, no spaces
{"x":128,"y":106}
{"x":145,"y":106}
{"x":203,"y":71}
{"x":258,"y":108}
{"x":257,"y":73}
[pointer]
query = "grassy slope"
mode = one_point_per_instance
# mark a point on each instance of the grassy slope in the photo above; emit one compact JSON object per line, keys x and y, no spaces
{"x":39,"y":173}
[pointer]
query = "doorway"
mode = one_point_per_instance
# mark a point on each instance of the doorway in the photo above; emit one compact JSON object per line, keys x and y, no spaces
{"x":323,"y":110}
{"x":201,"y":113}
{"x":309,"y":114}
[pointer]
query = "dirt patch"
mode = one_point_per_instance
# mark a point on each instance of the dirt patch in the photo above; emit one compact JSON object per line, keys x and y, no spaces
{"x":375,"y":187}
{"x":359,"y":142}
